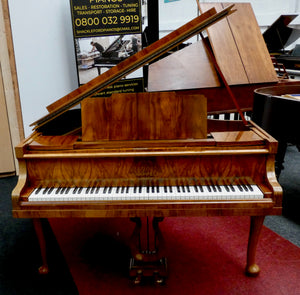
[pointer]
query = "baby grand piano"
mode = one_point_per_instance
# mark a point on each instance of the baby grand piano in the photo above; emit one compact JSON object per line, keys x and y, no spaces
{"x":147,"y":155}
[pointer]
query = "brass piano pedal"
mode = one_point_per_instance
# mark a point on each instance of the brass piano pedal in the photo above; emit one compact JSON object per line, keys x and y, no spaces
{"x":43,"y":270}
{"x":150,"y":271}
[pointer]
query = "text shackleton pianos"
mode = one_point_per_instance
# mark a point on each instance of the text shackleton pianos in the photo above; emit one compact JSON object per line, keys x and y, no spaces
{"x":151,"y":154}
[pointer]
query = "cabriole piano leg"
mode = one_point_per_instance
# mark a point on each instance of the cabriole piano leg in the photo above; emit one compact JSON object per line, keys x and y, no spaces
{"x":37,"y":222}
{"x":252,"y":269}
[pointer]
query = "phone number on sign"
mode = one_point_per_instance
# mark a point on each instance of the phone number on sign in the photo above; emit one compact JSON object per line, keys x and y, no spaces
{"x":106,"y":20}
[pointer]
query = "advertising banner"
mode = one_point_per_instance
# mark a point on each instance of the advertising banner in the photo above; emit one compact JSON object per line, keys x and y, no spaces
{"x":105,"y":33}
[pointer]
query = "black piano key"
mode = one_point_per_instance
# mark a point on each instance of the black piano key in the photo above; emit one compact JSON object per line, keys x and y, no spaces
{"x":62,"y":190}
{"x":140,"y":189}
{"x":38,"y":190}
{"x":196,"y":188}
{"x":127,"y":190}
{"x":245,"y":187}
{"x":183,"y":188}
{"x":240,"y":187}
{"x":213,"y":187}
{"x":117,"y":189}
{"x":45,"y":190}
{"x":250,"y":187}
{"x":50,"y":190}
{"x":57,"y":190}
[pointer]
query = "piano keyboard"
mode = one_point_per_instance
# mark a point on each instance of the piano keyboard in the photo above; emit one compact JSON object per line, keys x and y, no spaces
{"x":149,"y":193}
{"x":230,"y":116}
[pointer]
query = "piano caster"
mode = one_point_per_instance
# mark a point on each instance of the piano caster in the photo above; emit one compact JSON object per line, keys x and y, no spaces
{"x":252,"y":270}
{"x":159,"y":280}
{"x":138,"y":278}
{"x":43,"y":270}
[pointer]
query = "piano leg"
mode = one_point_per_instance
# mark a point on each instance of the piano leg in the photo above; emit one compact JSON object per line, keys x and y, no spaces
{"x":252,"y":269}
{"x":279,"y":159}
{"x":37,"y":222}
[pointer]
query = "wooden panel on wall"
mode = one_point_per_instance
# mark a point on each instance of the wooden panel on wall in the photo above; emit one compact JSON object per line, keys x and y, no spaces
{"x":7,"y":165}
{"x":11,"y":114}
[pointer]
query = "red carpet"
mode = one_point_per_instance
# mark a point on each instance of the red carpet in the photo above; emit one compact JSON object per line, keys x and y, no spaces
{"x":206,"y":255}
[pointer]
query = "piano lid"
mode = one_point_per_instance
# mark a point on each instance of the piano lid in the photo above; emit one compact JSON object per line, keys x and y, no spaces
{"x":134,"y":62}
{"x":279,"y":35}
{"x":115,"y":45}
{"x":238,"y":47}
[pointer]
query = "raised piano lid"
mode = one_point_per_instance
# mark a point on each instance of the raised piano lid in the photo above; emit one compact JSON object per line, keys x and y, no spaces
{"x":279,"y":35}
{"x":238,"y":47}
{"x":132,"y":63}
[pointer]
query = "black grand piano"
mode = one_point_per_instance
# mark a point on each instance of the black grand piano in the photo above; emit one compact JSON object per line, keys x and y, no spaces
{"x":278,"y":37}
{"x":113,"y":54}
{"x":277,"y":110}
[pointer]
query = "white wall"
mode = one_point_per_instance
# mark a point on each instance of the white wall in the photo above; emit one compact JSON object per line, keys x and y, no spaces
{"x":176,"y":13}
{"x":44,"y":49}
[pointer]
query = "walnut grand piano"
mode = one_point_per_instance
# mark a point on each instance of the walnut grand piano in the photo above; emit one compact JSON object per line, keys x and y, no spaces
{"x":147,"y":155}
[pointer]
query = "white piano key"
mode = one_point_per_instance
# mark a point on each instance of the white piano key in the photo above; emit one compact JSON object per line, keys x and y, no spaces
{"x":144,"y":194}
{"x":164,"y":192}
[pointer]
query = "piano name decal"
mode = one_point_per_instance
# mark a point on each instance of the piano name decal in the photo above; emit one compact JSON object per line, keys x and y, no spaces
{"x":107,"y":17}
{"x":145,"y":167}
